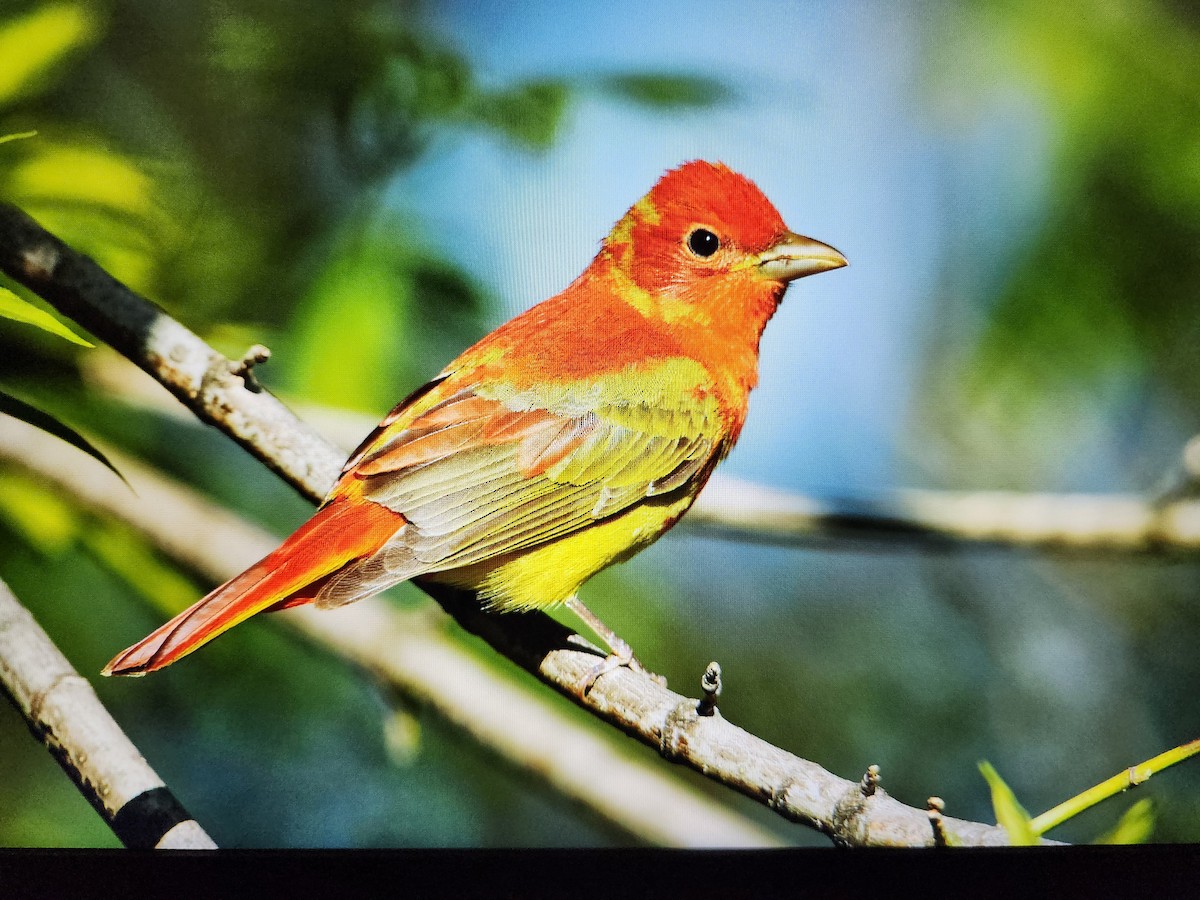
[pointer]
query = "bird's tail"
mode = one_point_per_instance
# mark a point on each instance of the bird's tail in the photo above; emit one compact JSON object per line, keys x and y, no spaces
{"x":341,"y":533}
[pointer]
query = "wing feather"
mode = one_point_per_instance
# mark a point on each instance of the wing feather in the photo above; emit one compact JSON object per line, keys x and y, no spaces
{"x":477,"y":479}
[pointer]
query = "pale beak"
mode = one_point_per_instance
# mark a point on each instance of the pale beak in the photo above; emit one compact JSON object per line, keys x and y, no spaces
{"x":794,"y":256}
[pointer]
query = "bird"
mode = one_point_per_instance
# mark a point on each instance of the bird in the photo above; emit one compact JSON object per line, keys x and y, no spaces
{"x":566,"y":440}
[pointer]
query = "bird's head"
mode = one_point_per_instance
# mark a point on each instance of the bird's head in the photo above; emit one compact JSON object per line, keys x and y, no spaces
{"x":705,"y":226}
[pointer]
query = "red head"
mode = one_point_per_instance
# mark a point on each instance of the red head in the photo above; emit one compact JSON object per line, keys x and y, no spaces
{"x":703,"y":220}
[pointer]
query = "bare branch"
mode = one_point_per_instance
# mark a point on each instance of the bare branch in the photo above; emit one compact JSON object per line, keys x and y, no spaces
{"x":1068,"y":522}
{"x":65,"y":714}
{"x":797,"y":789}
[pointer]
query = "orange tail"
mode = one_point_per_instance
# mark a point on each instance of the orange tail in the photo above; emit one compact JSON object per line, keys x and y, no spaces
{"x":341,"y":532}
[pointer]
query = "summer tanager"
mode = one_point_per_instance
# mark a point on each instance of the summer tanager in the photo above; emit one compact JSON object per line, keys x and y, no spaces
{"x":566,"y":440}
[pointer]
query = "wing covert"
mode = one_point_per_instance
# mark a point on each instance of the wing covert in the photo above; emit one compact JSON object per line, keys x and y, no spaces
{"x":476,"y":479}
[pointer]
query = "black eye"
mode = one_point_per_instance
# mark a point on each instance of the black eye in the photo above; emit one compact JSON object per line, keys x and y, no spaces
{"x":703,"y":242}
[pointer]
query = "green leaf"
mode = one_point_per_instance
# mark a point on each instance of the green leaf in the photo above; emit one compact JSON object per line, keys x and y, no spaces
{"x":13,"y":307}
{"x":1134,"y":827}
{"x":19,"y":409}
{"x":34,"y":43}
{"x":528,"y":113}
{"x":1009,"y":813}
{"x":19,"y":136}
{"x":402,"y":736}
{"x":668,"y":91}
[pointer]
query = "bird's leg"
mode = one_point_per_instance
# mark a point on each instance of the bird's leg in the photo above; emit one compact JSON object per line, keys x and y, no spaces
{"x":621,"y":653}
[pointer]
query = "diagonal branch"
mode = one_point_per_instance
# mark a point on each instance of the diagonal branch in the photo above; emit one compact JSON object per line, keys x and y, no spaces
{"x":65,"y":714}
{"x":203,"y":379}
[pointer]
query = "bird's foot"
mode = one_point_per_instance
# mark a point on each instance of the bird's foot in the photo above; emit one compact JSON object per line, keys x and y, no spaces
{"x":620,"y":655}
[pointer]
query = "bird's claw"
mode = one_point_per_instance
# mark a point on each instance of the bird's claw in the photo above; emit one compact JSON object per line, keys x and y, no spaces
{"x":621,"y":656}
{"x":621,"y":653}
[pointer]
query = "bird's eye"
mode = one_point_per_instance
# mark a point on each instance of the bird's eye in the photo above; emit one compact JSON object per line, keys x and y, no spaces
{"x":703,"y":242}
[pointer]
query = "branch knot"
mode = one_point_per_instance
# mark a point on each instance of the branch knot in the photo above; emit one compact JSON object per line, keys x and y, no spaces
{"x":848,"y":827}
{"x":710,"y":683}
{"x":677,"y":730}
{"x":40,"y":261}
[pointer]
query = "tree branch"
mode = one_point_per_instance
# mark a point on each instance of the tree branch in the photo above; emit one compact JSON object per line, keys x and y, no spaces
{"x":1097,"y":523}
{"x":65,"y":714}
{"x":795,"y":788}
{"x":201,"y":378}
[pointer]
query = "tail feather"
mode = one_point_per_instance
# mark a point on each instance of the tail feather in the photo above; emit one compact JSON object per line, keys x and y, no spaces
{"x":339,"y":535}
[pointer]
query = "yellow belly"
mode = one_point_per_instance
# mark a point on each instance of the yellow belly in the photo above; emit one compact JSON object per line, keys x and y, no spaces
{"x":552,"y":573}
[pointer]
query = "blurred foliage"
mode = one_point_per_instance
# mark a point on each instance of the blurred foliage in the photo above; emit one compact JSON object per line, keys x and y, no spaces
{"x":34,"y":44}
{"x":64,"y":177}
{"x":1097,"y":301}
{"x":42,"y":518}
{"x":52,"y":527}
{"x":668,"y":91}
{"x":1135,"y":826}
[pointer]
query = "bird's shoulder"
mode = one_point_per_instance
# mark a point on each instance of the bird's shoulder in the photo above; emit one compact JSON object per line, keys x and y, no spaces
{"x":638,"y":426}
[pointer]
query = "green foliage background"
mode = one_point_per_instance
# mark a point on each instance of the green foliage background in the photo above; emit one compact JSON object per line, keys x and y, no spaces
{"x":233,"y":162}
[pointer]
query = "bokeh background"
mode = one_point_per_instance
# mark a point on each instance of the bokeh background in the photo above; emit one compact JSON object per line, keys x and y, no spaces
{"x":368,"y":187}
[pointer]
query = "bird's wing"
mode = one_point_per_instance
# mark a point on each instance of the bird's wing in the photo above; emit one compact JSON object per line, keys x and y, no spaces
{"x":481,"y":472}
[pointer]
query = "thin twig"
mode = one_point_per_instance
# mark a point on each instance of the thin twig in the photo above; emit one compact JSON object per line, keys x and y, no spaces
{"x":65,"y":714}
{"x":1110,"y":787}
{"x":795,"y":788}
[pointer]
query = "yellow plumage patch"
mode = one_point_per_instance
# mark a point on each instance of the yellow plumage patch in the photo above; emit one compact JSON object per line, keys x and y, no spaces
{"x":552,"y":573}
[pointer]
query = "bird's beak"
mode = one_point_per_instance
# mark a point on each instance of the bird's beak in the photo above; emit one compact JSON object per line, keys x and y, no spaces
{"x":794,"y":256}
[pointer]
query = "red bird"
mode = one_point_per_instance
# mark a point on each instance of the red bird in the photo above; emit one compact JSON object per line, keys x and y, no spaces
{"x":566,"y":440}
